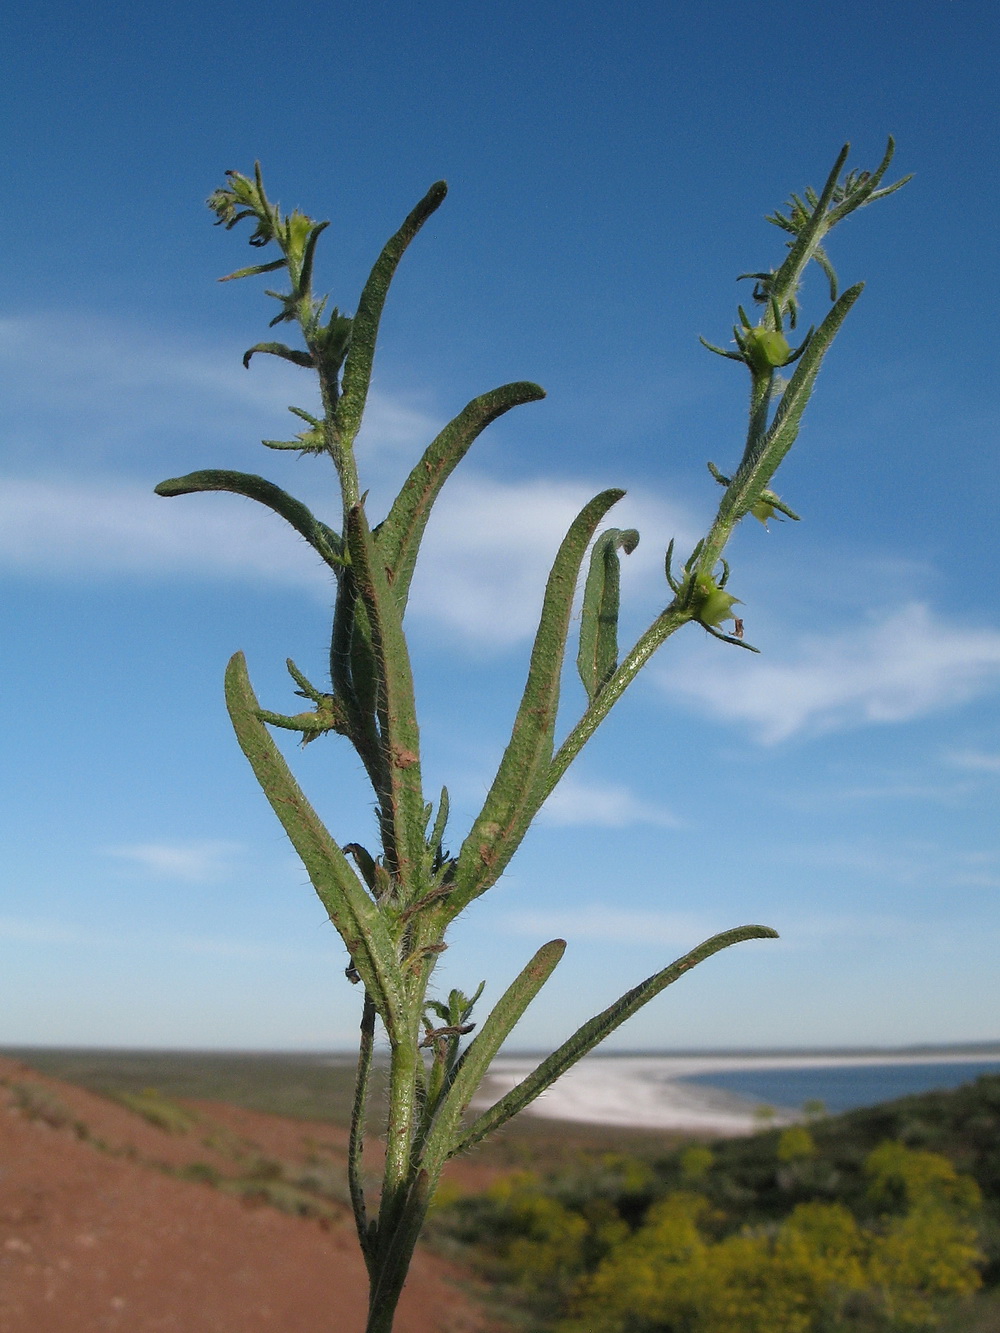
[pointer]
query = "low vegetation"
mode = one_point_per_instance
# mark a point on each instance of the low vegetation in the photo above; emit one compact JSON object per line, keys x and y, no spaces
{"x":877,"y":1220}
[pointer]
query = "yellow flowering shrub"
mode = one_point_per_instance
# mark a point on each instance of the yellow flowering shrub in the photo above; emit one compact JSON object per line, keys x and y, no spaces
{"x":817,"y":1271}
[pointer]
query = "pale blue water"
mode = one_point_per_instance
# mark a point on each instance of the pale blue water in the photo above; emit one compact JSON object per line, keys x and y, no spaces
{"x":844,"y":1087}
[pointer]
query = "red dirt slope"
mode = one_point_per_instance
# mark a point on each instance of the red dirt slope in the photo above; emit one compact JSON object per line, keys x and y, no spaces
{"x":97,"y":1234}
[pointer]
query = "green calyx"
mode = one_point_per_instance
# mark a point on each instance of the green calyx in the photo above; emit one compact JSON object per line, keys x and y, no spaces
{"x":766,"y":349}
{"x":711,"y":604}
{"x":762,"y":511}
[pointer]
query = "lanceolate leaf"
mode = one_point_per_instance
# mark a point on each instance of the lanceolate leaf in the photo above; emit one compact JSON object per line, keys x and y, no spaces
{"x":254,"y":269}
{"x":322,"y":539}
{"x":786,"y":279}
{"x":480,"y":1053}
{"x":763,"y":455}
{"x":358,"y":367}
{"x":434,"y":842}
{"x":398,"y":536}
{"x":286,"y":353}
{"x":396,"y":710}
{"x":598,"y":655}
{"x":594,"y":1032}
{"x":361,"y":925}
{"x":514,"y":798}
{"x":785,"y":426}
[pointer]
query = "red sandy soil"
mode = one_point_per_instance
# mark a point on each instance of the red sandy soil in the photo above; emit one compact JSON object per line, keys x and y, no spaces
{"x":98,"y":1232}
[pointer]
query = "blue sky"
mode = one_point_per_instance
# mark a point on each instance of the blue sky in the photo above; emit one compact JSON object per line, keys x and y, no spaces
{"x":609,"y":168}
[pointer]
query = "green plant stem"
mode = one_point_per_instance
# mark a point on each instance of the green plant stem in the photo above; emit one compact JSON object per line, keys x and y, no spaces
{"x":355,"y":1154}
{"x":397,"y":1254}
{"x":393,"y":914}
{"x":666,"y":623}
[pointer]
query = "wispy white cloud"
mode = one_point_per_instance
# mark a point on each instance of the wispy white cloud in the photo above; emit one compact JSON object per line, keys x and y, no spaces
{"x":974,"y":879}
{"x":975,"y":760}
{"x":44,"y":930}
{"x":901,"y":665}
{"x":481,"y":576}
{"x":393,"y":426}
{"x":48,"y":932}
{"x":95,"y":395}
{"x":614,"y":925}
{"x":196,"y":862}
{"x":681,"y":931}
{"x":106,"y":527}
{"x":490,"y":545}
{"x":602,"y":805}
{"x":77,"y":386}
{"x":821,"y":796}
{"x":76,"y":381}
{"x":821,"y":929}
{"x":86,"y":400}
{"x":926,"y":863}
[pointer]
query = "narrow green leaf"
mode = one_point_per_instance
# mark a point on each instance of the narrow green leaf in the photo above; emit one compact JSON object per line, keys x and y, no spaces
{"x":305,"y":274}
{"x":398,"y":536}
{"x":357,"y":919}
{"x":440,"y":824}
{"x":286,"y":353}
{"x":353,"y":673}
{"x":594,"y":1032}
{"x":785,"y":281}
{"x":254,"y":268}
{"x":358,"y":367}
{"x":308,"y":417}
{"x":400,"y":736}
{"x":514,"y":797}
{"x":301,"y":445}
{"x":823,"y":259}
{"x":363,"y":659}
{"x":785,"y":426}
{"x":598,"y":655}
{"x":365,"y":863}
{"x":355,"y":1151}
{"x":324,"y":541}
{"x":869,"y":190}
{"x":720,"y":351}
{"x":481,"y":1052}
{"x":762,"y":456}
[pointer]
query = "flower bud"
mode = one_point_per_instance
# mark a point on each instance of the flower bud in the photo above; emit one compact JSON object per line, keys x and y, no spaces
{"x":765,"y":349}
{"x":711,"y":604}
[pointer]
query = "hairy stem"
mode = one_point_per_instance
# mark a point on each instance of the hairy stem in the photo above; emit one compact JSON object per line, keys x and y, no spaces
{"x":355,"y":1165}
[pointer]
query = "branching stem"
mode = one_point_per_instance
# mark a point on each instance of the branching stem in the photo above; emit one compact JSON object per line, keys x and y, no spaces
{"x":393,"y":911}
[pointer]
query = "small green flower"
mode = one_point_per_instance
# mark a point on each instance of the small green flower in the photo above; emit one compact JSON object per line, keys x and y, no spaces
{"x":765,"y":349}
{"x":711,"y":604}
{"x":762,"y":511}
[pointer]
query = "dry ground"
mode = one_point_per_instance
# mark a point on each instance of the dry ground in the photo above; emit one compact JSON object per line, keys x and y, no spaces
{"x":186,"y":1217}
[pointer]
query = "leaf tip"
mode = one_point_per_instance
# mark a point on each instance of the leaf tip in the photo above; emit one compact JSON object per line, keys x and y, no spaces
{"x":763,"y":933}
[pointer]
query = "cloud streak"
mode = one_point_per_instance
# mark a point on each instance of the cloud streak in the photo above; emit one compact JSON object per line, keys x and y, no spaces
{"x":198,"y":862}
{"x":575,"y":803}
{"x":49,"y":933}
{"x":490,"y":545}
{"x":72,"y":380}
{"x":902,"y":665}
{"x":614,"y":925}
{"x":95,"y":394}
{"x":683,"y":930}
{"x":975,"y":760}
{"x":66,"y":528}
